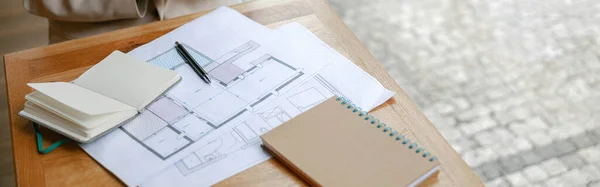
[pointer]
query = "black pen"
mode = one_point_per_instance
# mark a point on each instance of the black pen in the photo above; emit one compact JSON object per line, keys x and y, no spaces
{"x":191,"y":62}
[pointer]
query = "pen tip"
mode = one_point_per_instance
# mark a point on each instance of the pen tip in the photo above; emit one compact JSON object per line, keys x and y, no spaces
{"x":177,"y":42}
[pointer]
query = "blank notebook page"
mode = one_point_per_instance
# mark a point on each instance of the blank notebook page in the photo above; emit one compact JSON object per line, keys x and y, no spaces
{"x":127,"y":79}
{"x":329,"y":145}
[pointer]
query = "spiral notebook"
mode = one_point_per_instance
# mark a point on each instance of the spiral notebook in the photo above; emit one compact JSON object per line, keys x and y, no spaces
{"x":337,"y":144}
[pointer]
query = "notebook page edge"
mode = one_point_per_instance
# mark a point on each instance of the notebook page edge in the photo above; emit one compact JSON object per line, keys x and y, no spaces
{"x":289,"y":165}
{"x":51,"y":89}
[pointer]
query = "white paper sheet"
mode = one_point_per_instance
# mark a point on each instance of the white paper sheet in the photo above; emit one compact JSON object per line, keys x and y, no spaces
{"x":239,"y":148}
{"x":248,"y":68}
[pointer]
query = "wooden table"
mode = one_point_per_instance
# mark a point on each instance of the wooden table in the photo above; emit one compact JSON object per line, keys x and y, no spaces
{"x":70,"y":166}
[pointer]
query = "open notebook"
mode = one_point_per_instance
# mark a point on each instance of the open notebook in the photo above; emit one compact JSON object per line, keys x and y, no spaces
{"x":337,"y":144}
{"x":105,"y":96}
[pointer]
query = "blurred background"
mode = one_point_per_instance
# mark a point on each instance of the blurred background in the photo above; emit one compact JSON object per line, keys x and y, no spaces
{"x":514,"y":86}
{"x":20,"y":30}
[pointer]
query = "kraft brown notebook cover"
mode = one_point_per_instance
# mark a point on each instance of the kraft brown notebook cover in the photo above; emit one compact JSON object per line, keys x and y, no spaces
{"x":336,"y":144}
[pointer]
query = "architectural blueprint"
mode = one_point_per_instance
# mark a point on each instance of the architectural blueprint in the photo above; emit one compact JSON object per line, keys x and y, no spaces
{"x":239,"y":148}
{"x":189,"y":111}
{"x":249,"y":69}
{"x":247,"y":133}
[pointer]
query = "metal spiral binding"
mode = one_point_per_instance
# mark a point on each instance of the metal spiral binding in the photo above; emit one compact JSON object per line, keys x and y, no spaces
{"x":374,"y":121}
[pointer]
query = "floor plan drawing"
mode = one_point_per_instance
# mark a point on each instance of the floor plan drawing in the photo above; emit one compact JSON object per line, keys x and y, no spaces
{"x":275,"y":116}
{"x":246,"y":135}
{"x":313,"y":95}
{"x":302,"y":104}
{"x":192,"y":109}
{"x":327,"y":85}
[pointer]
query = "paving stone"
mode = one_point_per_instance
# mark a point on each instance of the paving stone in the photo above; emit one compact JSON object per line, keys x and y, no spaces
{"x":529,"y":157}
{"x":565,"y":131}
{"x":498,"y":93}
{"x":451,"y":133}
{"x":461,"y":103}
{"x":442,"y":121}
{"x":500,"y":105}
{"x":535,"y":173}
{"x":478,"y":156}
{"x":584,"y":140}
{"x":536,"y":185}
{"x":463,"y":144}
{"x":574,"y":178}
{"x":504,"y":117}
{"x":556,"y":182}
{"x":499,"y":182}
{"x":511,"y":164}
{"x":473,"y":113}
{"x":547,"y":151}
{"x":590,"y":154}
{"x":535,"y":121}
{"x":529,"y":126}
{"x":592,"y":123}
{"x":576,"y":89}
{"x":504,"y":134}
{"x":478,"y":125}
{"x":573,"y":161}
{"x":563,"y":147}
{"x":596,"y":133}
{"x":592,"y":184}
{"x":591,"y":172}
{"x":486,"y":138}
{"x":439,"y":108}
{"x":522,"y":144}
{"x":504,"y":149}
{"x":521,"y":113}
{"x":517,"y":179}
{"x":491,"y":170}
{"x":540,"y":138}
{"x":499,"y":136}
{"x":553,"y":166}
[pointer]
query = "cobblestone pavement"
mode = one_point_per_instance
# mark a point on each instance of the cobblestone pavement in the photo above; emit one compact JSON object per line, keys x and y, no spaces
{"x":512,"y":85}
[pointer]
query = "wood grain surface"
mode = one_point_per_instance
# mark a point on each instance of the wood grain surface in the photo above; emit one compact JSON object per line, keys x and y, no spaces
{"x":70,"y":166}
